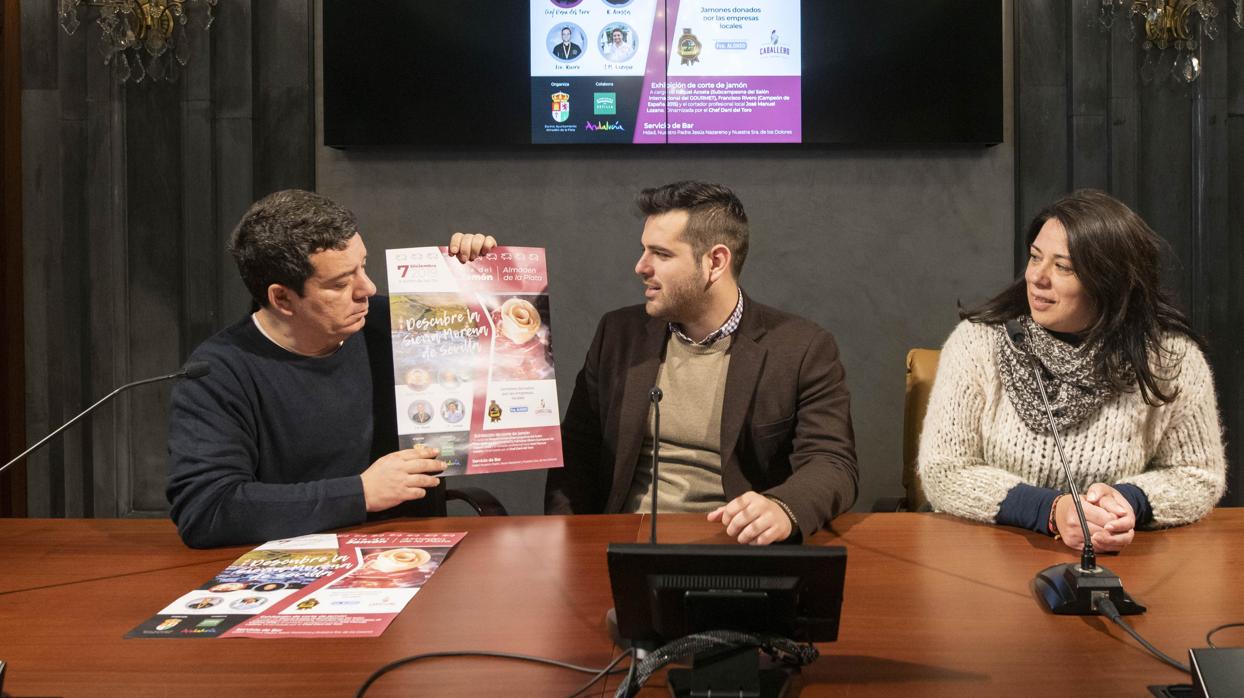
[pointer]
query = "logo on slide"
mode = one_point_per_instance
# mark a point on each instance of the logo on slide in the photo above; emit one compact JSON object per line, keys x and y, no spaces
{"x":775,"y":47}
{"x":561,"y":107}
{"x":604,"y":126}
{"x":689,"y":47}
{"x":604,"y":103}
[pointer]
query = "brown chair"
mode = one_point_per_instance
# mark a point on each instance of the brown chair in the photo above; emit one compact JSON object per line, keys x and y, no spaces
{"x":921,"y":370}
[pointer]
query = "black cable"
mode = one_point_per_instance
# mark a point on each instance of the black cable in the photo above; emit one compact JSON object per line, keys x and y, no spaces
{"x":1209,"y":636}
{"x":608,"y":670}
{"x":599,"y":673}
{"x":629,"y":679}
{"x":1107,"y":608}
{"x":778,"y":648}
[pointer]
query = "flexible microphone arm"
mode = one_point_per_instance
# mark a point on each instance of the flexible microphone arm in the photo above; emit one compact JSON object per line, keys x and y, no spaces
{"x":1068,"y":589}
{"x":1088,"y":558}
{"x":193,"y":370}
{"x":654,"y":396}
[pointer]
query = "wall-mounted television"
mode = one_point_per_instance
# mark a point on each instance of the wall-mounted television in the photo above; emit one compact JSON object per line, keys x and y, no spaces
{"x":657,"y":72}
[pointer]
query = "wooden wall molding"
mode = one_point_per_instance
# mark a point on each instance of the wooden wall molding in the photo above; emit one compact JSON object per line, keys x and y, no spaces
{"x":12,"y":354}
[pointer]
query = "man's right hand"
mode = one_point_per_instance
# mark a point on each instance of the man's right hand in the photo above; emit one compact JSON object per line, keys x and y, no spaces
{"x":401,"y":476}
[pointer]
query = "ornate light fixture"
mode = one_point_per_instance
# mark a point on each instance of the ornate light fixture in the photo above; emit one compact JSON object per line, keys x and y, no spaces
{"x":1173,"y":31}
{"x":141,"y":38}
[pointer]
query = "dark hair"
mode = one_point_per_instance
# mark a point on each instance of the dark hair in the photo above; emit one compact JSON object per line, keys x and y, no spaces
{"x":275,"y":239}
{"x":1118,"y":259}
{"x":715,"y":216}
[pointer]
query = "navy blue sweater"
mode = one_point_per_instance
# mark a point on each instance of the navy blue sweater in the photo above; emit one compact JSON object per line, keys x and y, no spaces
{"x":271,"y":444}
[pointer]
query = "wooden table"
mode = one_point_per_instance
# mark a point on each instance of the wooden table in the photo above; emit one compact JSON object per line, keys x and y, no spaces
{"x":934,"y":606}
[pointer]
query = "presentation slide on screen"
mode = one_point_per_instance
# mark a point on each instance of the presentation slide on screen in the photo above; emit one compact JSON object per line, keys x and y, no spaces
{"x":665,"y":71}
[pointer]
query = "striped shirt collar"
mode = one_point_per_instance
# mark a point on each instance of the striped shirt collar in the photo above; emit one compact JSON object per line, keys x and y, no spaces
{"x":727,"y":329}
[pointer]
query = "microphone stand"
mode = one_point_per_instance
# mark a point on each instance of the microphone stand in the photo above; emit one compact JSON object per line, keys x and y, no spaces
{"x":655,"y":396}
{"x":611,"y":616}
{"x":194,"y":369}
{"x":1068,"y":588}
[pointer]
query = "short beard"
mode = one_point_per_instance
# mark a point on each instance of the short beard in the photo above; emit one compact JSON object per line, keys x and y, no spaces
{"x":683,"y":302}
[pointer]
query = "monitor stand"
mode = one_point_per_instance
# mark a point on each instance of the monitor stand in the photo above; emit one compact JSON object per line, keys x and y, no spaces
{"x":730,"y":672}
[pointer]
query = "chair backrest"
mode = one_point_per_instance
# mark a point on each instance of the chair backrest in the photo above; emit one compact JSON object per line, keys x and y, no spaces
{"x":921,"y":370}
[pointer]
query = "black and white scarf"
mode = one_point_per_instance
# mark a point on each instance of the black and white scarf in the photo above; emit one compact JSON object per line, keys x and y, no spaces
{"x":1075,"y":387}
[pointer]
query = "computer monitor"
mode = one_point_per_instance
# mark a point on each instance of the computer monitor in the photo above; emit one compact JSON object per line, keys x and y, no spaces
{"x":664,"y":592}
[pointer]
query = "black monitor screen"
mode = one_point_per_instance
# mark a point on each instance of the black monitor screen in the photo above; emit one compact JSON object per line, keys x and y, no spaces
{"x":549,"y":72}
{"x":664,"y":592}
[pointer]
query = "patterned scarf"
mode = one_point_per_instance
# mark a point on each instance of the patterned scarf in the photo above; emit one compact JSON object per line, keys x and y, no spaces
{"x":1074,"y":387}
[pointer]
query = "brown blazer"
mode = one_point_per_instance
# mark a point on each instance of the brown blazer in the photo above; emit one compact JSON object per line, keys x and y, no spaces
{"x":785,"y":427}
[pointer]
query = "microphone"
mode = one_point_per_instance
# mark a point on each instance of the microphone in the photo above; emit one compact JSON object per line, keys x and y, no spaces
{"x":1070,"y":589}
{"x":654,"y":396}
{"x":192,"y":370}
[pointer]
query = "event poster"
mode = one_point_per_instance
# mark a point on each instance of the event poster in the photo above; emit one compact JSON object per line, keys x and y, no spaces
{"x":322,"y":585}
{"x":666,"y":71}
{"x":473,"y":358}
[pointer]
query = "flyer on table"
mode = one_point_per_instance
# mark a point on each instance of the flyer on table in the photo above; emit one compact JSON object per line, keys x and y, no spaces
{"x":322,"y":585}
{"x":473,"y":358}
{"x":666,"y":71}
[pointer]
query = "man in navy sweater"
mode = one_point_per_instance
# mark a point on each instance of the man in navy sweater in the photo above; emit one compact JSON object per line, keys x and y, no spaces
{"x":294,"y":429}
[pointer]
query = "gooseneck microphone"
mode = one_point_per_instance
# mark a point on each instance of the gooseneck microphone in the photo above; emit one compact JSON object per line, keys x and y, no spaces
{"x":1069,"y":589}
{"x":192,"y":370}
{"x":1088,"y":558}
{"x":654,"y":396}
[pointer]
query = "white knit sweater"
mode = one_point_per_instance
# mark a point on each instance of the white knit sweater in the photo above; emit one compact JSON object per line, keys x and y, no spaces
{"x":974,"y":447}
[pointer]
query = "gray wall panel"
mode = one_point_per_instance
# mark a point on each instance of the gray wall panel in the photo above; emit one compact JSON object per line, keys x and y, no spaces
{"x":40,"y":41}
{"x":1042,"y":143}
{"x":199,"y":256}
{"x":1041,"y":33}
{"x":1235,"y":72}
{"x":153,"y":142}
{"x":284,"y":97}
{"x":1230,"y":377}
{"x":1090,"y":152}
{"x":67,"y":330}
{"x":41,"y":223}
{"x":106,"y":247}
{"x":1124,"y":154}
{"x":235,"y":190}
{"x":231,"y":58}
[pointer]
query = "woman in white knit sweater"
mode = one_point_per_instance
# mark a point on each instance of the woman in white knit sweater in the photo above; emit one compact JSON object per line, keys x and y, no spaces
{"x":1128,"y":383}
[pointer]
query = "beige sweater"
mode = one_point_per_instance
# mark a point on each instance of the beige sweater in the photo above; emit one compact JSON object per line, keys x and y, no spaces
{"x":693,"y":380}
{"x":974,"y":447}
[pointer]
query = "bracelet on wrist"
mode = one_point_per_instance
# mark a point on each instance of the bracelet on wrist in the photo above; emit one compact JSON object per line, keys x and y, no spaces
{"x":1052,"y":524}
{"x":794,"y":523}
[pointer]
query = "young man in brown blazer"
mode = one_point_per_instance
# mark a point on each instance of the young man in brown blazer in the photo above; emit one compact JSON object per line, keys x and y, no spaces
{"x":755,"y":415}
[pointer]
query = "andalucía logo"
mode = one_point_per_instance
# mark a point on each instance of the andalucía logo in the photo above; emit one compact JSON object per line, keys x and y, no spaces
{"x":603,"y":126}
{"x":561,"y":107}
